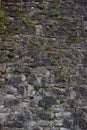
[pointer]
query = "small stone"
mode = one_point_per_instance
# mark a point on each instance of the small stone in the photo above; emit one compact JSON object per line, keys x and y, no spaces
{"x":2,"y":68}
{"x":59,"y":114}
{"x":53,"y":129}
{"x":43,"y":123}
{"x":11,"y":18}
{"x":82,"y":92}
{"x":31,"y":79}
{"x":24,"y":116}
{"x":23,"y":69}
{"x":31,"y":124}
{"x":4,"y":115}
{"x":45,"y":115}
{"x":66,"y":114}
{"x":1,"y":106}
{"x":14,"y":80}
{"x":58,"y":92}
{"x":23,"y":77}
{"x":21,"y":90}
{"x":62,"y":128}
{"x":1,"y":124}
{"x":9,"y":96}
{"x":1,"y":100}
{"x":15,"y":124}
{"x":37,"y":128}
{"x":2,"y":80}
{"x":83,"y":123}
{"x":67,"y":123}
{"x":10,"y":89}
{"x":13,"y":129}
{"x":38,"y":29}
{"x":58,"y":123}
{"x":46,"y":80}
{"x":83,"y":71}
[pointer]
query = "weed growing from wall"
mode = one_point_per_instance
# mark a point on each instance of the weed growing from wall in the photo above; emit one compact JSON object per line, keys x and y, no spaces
{"x":2,"y":18}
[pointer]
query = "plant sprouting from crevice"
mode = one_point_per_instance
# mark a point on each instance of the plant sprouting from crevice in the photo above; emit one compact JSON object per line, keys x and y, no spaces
{"x":2,"y":18}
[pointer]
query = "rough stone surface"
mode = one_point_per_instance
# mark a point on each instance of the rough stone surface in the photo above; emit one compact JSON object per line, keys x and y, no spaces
{"x":37,"y":128}
{"x":43,"y":65}
{"x":47,"y":101}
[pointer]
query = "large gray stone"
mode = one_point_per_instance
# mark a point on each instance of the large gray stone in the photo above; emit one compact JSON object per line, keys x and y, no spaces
{"x":14,"y":124}
{"x":45,"y":115}
{"x":83,"y":123}
{"x":47,"y":101}
{"x":82,"y":91}
{"x":68,"y":123}
{"x":14,"y":80}
{"x":23,"y":69}
{"x":24,"y":116}
{"x":43,"y":123}
{"x":31,"y":79}
{"x":21,"y":89}
{"x":11,"y":102}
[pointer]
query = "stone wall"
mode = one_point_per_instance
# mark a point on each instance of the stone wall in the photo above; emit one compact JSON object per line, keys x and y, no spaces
{"x":43,"y":66}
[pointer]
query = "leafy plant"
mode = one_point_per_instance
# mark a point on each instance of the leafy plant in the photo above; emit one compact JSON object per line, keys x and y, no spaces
{"x":73,"y":56}
{"x":63,"y":74}
{"x":26,"y":21}
{"x":61,"y":102}
{"x":73,"y":39}
{"x":56,"y":4}
{"x":46,"y":108}
{"x":63,"y":77}
{"x":53,"y":118}
{"x":18,"y":11}
{"x":31,"y":42}
{"x":36,"y":88}
{"x":41,"y":7}
{"x":77,"y":39}
{"x":2,"y":18}
{"x":37,"y":42}
{"x":78,"y":20}
{"x":54,"y":62}
{"x":53,"y":14}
